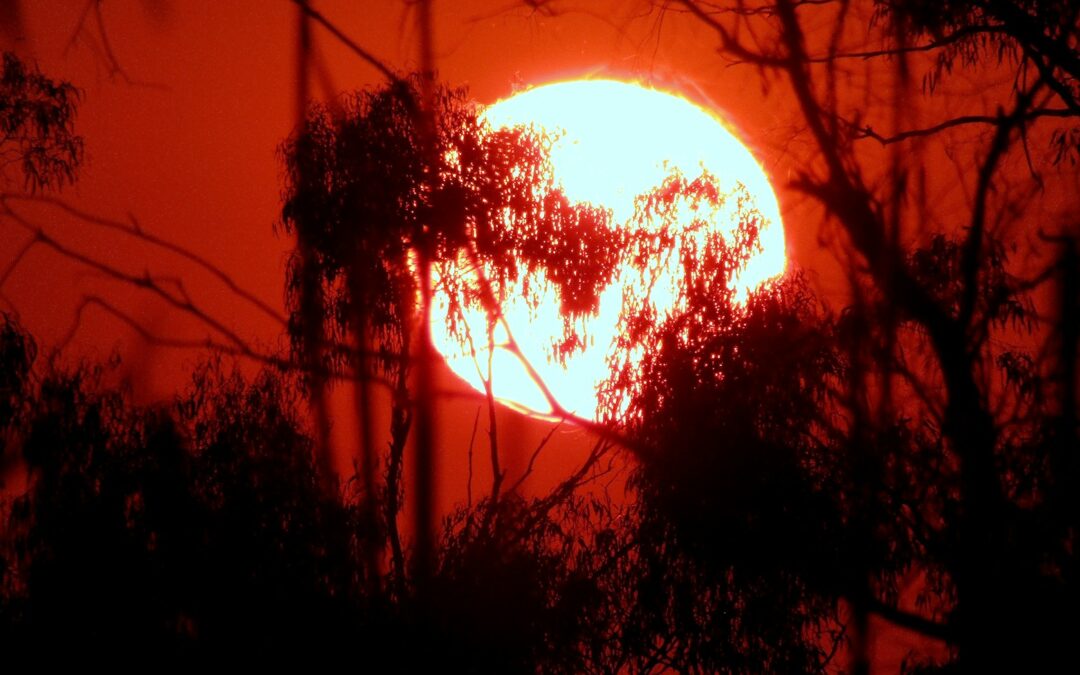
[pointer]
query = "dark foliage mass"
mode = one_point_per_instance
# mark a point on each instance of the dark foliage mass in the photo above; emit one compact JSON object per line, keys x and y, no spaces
{"x":201,"y":531}
{"x":37,"y":120}
{"x":181,"y":532}
{"x":365,"y":189}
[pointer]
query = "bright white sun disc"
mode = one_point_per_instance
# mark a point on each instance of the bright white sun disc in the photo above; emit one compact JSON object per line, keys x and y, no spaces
{"x":615,"y":141}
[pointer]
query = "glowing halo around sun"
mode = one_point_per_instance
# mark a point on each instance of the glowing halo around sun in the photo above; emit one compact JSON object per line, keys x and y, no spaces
{"x":616,"y":140}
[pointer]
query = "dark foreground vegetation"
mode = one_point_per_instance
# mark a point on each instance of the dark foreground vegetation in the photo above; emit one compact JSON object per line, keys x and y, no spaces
{"x":203,"y":530}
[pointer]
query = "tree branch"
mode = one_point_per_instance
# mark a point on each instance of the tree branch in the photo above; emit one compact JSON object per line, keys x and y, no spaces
{"x":919,"y":624}
{"x":344,"y":39}
{"x":135,"y":230}
{"x":995,"y":120}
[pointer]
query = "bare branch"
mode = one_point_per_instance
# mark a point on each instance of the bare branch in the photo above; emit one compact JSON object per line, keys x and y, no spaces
{"x":970,"y":261}
{"x":17,"y":259}
{"x":729,"y":43}
{"x":103,"y":45}
{"x":244,"y":351}
{"x":135,"y":230}
{"x":912,"y":621}
{"x":344,"y":39}
{"x":536,"y":453}
{"x":963,"y":120}
{"x":946,"y":41}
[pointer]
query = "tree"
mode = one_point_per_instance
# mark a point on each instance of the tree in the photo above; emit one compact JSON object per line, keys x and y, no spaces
{"x":364,"y":196}
{"x":208,"y":528}
{"x":359,"y":180}
{"x":193,"y":533}
{"x":954,"y":422}
{"x":795,"y":455}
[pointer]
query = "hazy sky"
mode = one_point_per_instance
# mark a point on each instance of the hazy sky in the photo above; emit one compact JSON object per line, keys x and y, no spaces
{"x":184,"y":138}
{"x":183,"y":107}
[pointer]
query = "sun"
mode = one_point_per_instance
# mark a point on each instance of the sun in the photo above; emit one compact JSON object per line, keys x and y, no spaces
{"x":615,"y":141}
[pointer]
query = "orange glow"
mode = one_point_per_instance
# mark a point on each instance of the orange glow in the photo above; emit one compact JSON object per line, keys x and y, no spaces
{"x":615,"y":141}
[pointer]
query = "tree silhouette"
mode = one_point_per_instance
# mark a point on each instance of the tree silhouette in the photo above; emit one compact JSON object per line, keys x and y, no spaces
{"x":954,"y":411}
{"x":795,"y":459}
{"x":363,"y":193}
{"x":189,"y":533}
{"x":765,"y":551}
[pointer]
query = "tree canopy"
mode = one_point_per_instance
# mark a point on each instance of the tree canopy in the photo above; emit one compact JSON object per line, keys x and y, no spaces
{"x":795,"y":466}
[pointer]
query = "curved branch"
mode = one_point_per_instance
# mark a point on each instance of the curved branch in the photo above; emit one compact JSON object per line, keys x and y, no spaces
{"x":946,"y":41}
{"x":911,"y":621}
{"x":344,"y":39}
{"x":135,"y":230}
{"x":728,"y":42}
{"x":867,"y":132}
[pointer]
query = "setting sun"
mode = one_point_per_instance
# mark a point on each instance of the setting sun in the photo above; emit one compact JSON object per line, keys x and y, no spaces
{"x":614,"y":142}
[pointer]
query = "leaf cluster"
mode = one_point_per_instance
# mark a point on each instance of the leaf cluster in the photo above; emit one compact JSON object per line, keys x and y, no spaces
{"x":37,"y":120}
{"x":186,"y":532}
{"x":367,"y":189}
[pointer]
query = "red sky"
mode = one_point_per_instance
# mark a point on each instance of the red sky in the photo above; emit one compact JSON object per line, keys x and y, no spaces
{"x":184,"y":139}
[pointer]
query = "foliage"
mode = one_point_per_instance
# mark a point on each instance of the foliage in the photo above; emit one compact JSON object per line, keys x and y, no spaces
{"x":37,"y":117}
{"x":955,"y":405}
{"x":17,"y":354}
{"x":1023,"y":35}
{"x":366,"y":192}
{"x":188,"y":533}
{"x":791,"y":458}
{"x":512,"y":593}
{"x":739,"y":515}
{"x":513,"y":590}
